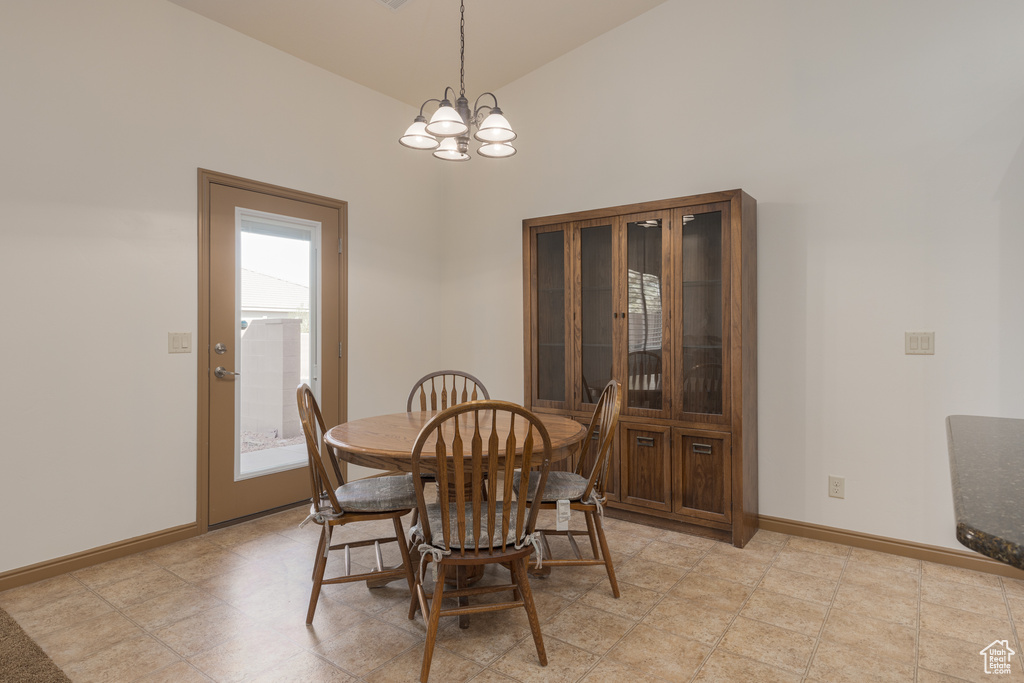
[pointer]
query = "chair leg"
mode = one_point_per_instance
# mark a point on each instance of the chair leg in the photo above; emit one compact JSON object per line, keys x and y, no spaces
{"x":522,"y":581}
{"x":460,"y":583}
{"x":593,"y":534}
{"x":607,"y":556}
{"x":318,"y":569}
{"x":435,"y":618}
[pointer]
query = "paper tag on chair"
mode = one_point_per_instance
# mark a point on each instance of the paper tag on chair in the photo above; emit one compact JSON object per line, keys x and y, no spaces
{"x":562,"y":515}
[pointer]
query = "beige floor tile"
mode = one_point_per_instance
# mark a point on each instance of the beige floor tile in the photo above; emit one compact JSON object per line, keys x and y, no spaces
{"x":753,"y":550}
{"x":569,"y":583}
{"x":773,"y":537}
{"x":200,"y":632}
{"x":62,"y":613}
{"x":35,"y":595}
{"x":565,"y":662}
{"x":799,"y":585}
{"x":589,"y":629}
{"x":659,"y":654}
{"x":870,"y":635}
{"x":688,"y":540}
{"x":678,"y":555}
{"x":967,"y":626}
{"x":127,"y":660}
{"x":901,"y":609}
{"x":709,"y":591}
{"x":823,"y":566}
{"x":489,"y":635}
{"x":835,"y":663}
{"x":874,"y":558}
{"x":769,"y":644}
{"x":243,"y":657}
{"x":1013,"y":587}
{"x":625,"y":543}
{"x":941,"y":572}
{"x":183,"y":551}
{"x":790,"y":613}
{"x":139,"y":587}
{"x":633,"y":601}
{"x":445,"y":666}
{"x":952,"y":657}
{"x":688,"y":619}
{"x":726,"y":667}
{"x":980,"y":599}
{"x":491,"y":676}
{"x":654,"y":576}
{"x":811,"y":545}
{"x":207,"y":566}
{"x":304,"y":667}
{"x":926,"y":676}
{"x":179,"y":672}
{"x":608,"y":671}
{"x":747,"y":570}
{"x":87,"y":637}
{"x":359,"y":650}
{"x":170,"y":607}
{"x":877,"y":577}
{"x":111,"y":572}
{"x":331,"y":618}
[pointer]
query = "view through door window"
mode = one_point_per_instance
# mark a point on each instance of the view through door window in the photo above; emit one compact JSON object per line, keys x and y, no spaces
{"x":276,"y":306}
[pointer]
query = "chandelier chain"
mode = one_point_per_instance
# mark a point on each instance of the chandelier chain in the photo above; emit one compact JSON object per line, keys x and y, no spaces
{"x":462,"y":49}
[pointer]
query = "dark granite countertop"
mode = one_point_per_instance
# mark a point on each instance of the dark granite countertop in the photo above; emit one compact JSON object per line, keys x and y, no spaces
{"x":986,"y":460}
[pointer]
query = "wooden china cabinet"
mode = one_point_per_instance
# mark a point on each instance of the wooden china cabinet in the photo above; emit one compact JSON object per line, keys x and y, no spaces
{"x":661,"y":296}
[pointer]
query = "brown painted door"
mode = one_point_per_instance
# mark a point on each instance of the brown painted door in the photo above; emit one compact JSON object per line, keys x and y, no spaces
{"x":276,"y":312}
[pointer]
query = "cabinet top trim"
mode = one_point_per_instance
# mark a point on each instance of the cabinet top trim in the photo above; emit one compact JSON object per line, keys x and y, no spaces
{"x":626,"y":209}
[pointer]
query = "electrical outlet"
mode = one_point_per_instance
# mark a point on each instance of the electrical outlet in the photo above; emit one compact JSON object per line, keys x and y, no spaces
{"x":836,"y":487}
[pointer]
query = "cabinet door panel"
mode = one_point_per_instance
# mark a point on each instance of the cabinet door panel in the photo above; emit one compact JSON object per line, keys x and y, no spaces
{"x":703,"y":478}
{"x":596,"y":308}
{"x":645,"y":466}
{"x":611,"y":480}
{"x":702,"y":255}
{"x":647,"y":282}
{"x":549,"y":318}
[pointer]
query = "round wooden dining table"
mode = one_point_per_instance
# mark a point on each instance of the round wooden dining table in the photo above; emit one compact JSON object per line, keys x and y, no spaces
{"x":385,"y":442}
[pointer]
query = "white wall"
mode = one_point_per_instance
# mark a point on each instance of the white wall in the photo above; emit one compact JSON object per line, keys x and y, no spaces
{"x":108,"y":108}
{"x":883,"y":142}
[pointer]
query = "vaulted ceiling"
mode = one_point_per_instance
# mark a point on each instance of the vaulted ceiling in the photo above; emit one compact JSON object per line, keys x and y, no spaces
{"x":412,"y":53}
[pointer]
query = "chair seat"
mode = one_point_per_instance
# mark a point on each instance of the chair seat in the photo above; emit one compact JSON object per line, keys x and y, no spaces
{"x":434,"y":517}
{"x":377,"y":494}
{"x":560,"y":486}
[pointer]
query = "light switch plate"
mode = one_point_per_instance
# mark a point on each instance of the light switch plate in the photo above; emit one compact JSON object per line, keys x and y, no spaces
{"x":920,"y":343}
{"x":179,"y":342}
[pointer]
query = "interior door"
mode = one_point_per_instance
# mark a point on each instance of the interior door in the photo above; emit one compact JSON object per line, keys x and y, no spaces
{"x":275,"y":319}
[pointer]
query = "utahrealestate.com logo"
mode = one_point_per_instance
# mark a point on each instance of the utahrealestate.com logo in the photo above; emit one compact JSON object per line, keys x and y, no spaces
{"x":997,"y":657}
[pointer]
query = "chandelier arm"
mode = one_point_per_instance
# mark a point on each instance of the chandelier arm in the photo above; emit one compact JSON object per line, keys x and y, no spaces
{"x":426,"y":103}
{"x":462,"y":48}
{"x":477,"y":106}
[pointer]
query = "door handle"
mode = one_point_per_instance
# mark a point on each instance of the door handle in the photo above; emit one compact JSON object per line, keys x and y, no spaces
{"x":645,"y":441}
{"x":702,"y":448}
{"x":221,"y":373}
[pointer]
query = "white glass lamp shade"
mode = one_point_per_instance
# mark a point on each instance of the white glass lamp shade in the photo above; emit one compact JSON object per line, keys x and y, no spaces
{"x":495,"y":128}
{"x":495,"y":150}
{"x":449,"y":151}
{"x":446,"y":123}
{"x":417,"y":137}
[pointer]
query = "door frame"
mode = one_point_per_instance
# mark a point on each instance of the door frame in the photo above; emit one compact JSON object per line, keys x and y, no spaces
{"x":206,"y":179}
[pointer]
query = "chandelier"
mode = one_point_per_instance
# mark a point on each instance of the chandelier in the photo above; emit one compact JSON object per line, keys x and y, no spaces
{"x":447,"y":133}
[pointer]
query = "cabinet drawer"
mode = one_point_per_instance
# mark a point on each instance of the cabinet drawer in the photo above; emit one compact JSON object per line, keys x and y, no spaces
{"x":645,"y":466}
{"x":702,"y":479}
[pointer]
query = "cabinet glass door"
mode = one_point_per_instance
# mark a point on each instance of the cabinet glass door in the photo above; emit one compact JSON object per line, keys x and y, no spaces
{"x":645,"y":361}
{"x":549,"y":353}
{"x":702,"y":314}
{"x":596,"y":308}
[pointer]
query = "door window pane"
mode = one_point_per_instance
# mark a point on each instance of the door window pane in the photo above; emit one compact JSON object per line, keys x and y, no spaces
{"x":596,"y":309}
{"x":643,"y":263}
{"x":702,"y":313}
{"x":275,"y":307}
{"x":550,"y":380}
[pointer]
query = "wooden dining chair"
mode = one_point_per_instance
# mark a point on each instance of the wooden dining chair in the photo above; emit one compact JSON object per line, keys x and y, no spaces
{"x":364,"y":500}
{"x":584,"y":488}
{"x":446,"y":382}
{"x":477,"y":520}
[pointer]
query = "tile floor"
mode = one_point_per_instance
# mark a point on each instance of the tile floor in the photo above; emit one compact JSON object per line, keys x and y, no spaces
{"x":230,"y":606}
